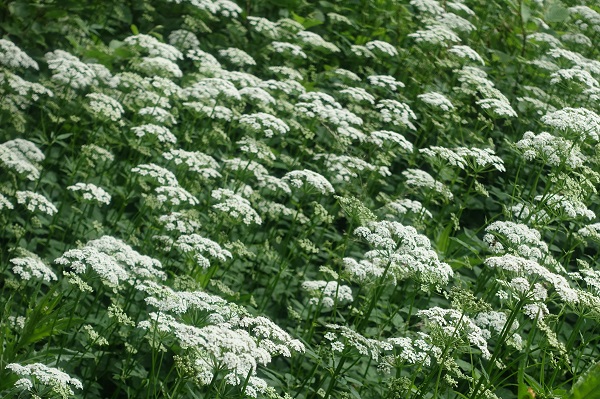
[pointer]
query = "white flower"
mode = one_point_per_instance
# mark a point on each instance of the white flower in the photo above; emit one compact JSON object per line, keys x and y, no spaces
{"x":580,"y":121}
{"x":381,"y":47}
{"x":35,"y":202}
{"x":161,"y":133}
{"x":385,"y":81}
{"x":358,"y":95}
{"x":153,"y":47}
{"x":13,"y":57}
{"x":217,"y":112}
{"x":195,"y":161}
{"x":106,"y":266}
{"x":453,"y":323}
{"x":59,"y":382}
{"x":396,"y":113}
{"x":159,"y":66}
{"x":261,"y":122}
{"x":466,"y":52}
{"x":300,"y":178}
{"x":201,"y":246}
{"x":31,"y":266}
{"x":327,"y":292}
{"x":437,"y":100}
{"x":264,"y":26}
{"x":91,"y":192}
{"x":312,"y":39}
{"x":183,"y":40}
{"x":257,"y":95}
{"x":420,"y":178}
{"x":436,"y":34}
{"x":69,"y":70}
{"x":288,"y":49}
{"x":159,"y":174}
{"x":237,"y":56}
{"x":159,"y":115}
{"x":105,"y":107}
{"x":551,"y":150}
{"x":235,"y":206}
{"x":175,"y":195}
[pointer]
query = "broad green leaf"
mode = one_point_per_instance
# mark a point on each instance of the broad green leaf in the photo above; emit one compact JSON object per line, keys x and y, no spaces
{"x":588,"y":385}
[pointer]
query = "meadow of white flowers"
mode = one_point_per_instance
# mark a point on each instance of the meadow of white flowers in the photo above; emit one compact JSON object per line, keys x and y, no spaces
{"x":362,"y":199}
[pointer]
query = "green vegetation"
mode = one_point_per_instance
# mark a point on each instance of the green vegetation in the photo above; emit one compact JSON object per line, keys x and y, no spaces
{"x":293,"y":199}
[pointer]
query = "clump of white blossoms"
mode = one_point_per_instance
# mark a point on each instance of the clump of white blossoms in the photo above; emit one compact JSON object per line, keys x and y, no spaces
{"x":476,"y":158}
{"x":229,"y":345}
{"x":200,"y":246}
{"x":235,"y":206}
{"x":35,"y":202}
{"x":381,"y":47}
{"x":571,"y":207}
{"x":451,"y":323}
{"x":396,"y":113}
{"x":418,"y":178}
{"x":216,"y":112}
{"x":263,"y":123}
{"x":195,"y":161}
{"x":358,"y":95}
{"x":288,"y":49}
{"x":342,"y":337}
{"x":264,"y":26}
{"x":5,"y":203}
{"x":156,"y":173}
{"x":551,"y":150}
{"x":500,"y":107}
{"x":12,"y":57}
{"x":36,"y":374}
{"x":153,"y":47}
{"x":391,"y":140}
{"x":436,"y":34}
{"x":91,"y":192}
{"x":399,"y":253}
{"x":404,"y":205}
{"x":210,"y":89}
{"x":21,"y":156}
{"x":105,"y":107}
{"x":158,"y":115}
{"x":183,"y":40}
{"x":181,"y":222}
{"x":237,"y":56}
{"x":158,"y":66}
{"x":343,"y":168}
{"x":69,"y":70}
{"x":32,"y":267}
{"x":161,"y":133}
{"x":113,"y":261}
{"x":314,"y":40}
{"x":256,"y":95}
{"x":308,"y":179}
{"x":385,"y":81}
{"x":520,"y":240}
{"x":581,"y":122}
{"x":328,"y":293}
{"x":436,"y":100}
{"x":466,"y":52}
{"x":175,"y":195}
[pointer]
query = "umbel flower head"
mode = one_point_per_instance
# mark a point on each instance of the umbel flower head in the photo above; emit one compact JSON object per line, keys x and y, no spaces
{"x":32,"y":375}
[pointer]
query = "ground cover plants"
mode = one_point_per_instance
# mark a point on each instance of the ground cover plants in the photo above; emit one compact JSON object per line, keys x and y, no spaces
{"x":298,"y":199}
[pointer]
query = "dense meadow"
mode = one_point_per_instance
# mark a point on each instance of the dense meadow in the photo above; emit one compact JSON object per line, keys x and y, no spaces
{"x":299,"y":199}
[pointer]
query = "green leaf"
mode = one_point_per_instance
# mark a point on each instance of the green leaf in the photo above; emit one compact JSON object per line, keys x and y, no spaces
{"x":556,"y":13}
{"x":134,"y":29}
{"x":588,"y":385}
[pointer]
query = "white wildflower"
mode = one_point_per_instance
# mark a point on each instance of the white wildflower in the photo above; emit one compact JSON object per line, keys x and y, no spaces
{"x":302,"y":178}
{"x":35,"y":202}
{"x":92,"y":192}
